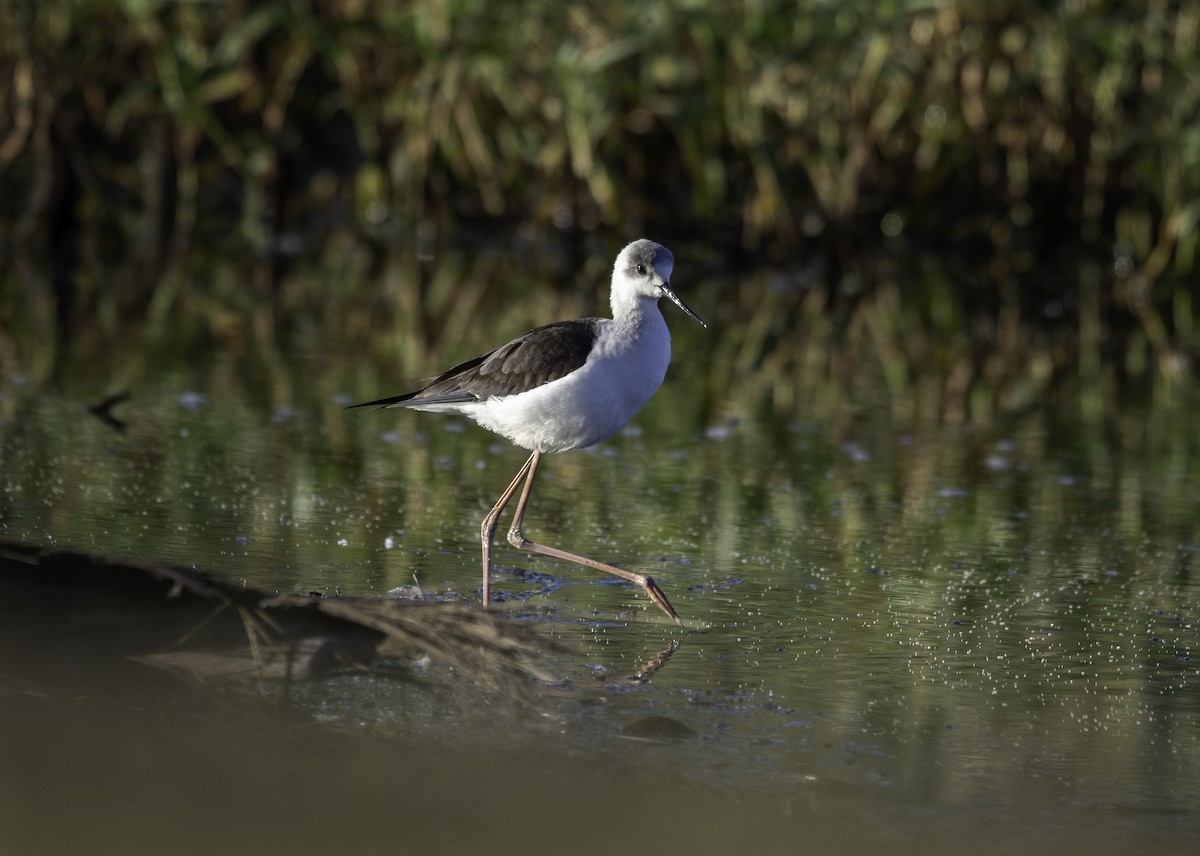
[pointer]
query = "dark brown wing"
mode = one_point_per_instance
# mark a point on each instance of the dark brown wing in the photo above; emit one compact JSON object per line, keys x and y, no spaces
{"x":540,"y":356}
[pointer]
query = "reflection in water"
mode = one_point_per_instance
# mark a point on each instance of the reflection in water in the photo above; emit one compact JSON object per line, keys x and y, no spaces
{"x":899,"y":626}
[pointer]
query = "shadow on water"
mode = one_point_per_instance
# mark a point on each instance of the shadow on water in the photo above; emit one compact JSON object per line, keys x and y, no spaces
{"x":907,"y":624}
{"x":72,"y":617}
{"x":143,"y":748}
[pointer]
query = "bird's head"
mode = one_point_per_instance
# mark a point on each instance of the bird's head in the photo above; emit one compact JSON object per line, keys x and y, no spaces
{"x":644,"y":269}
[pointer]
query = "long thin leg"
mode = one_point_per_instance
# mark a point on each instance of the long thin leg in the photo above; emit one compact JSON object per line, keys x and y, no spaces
{"x":488,"y":530}
{"x":522,"y":543}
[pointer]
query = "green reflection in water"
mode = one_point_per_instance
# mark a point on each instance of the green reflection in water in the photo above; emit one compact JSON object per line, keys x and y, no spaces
{"x":883,"y":603}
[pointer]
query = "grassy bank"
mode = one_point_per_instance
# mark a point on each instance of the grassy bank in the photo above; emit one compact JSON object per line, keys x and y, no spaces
{"x":166,"y":156}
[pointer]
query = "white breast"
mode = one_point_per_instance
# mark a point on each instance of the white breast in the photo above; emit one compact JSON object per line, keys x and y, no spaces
{"x":626,"y":366}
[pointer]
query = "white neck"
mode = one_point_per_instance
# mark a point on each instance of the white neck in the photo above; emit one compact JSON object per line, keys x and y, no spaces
{"x":630,"y":308}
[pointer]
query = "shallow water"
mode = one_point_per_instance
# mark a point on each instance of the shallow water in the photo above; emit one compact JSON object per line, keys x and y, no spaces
{"x":910,"y":636}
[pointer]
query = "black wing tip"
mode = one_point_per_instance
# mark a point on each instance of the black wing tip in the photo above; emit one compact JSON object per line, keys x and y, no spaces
{"x":416,"y":399}
{"x":381,"y":403}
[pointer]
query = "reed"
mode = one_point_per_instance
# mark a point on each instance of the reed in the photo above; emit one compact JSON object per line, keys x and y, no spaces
{"x":175,"y":159}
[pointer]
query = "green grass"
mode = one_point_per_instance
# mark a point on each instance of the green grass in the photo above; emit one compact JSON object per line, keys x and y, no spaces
{"x":954,"y":178}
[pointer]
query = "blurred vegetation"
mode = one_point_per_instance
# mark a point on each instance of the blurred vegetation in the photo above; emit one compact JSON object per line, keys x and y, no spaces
{"x":978,"y":189}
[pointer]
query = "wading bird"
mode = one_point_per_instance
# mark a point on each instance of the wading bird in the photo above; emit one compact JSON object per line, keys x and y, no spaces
{"x":567,"y":385}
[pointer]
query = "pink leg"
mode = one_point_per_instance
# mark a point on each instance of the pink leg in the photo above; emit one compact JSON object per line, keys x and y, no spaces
{"x":488,"y":530}
{"x":522,"y":543}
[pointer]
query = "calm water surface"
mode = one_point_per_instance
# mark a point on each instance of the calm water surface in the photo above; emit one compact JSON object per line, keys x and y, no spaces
{"x":904,"y":636}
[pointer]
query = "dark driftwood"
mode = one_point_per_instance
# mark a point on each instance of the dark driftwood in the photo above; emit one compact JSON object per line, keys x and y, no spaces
{"x":70,"y":615}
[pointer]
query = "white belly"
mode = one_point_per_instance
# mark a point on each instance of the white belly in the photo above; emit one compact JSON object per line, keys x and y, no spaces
{"x":590,"y":404}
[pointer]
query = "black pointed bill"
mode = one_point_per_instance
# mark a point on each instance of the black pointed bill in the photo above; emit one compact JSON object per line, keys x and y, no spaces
{"x":669,"y":293}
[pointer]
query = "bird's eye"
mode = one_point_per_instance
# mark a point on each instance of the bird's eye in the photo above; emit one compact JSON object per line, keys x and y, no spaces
{"x":641,"y":269}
